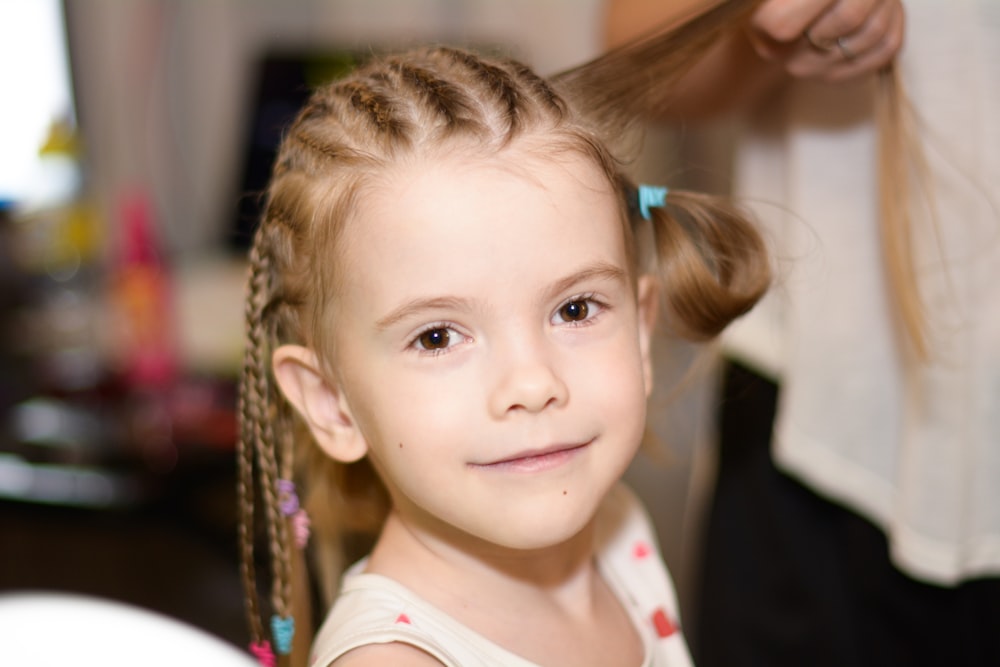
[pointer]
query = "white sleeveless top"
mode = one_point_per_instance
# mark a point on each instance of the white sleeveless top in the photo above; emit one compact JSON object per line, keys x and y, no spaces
{"x":373,"y":609}
{"x":915,"y":449}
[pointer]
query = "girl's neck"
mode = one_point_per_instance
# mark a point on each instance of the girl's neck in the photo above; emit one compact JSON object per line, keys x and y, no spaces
{"x":423,"y":560}
{"x":538,"y":604}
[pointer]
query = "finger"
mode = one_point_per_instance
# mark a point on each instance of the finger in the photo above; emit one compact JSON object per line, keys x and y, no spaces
{"x":798,"y":58}
{"x":769,"y":48}
{"x":870,"y":47}
{"x":850,"y":17}
{"x":786,"y":20}
{"x":875,"y":57}
{"x":882,"y":31}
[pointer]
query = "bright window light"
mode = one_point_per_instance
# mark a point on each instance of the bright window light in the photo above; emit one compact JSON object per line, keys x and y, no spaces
{"x":37,"y":93}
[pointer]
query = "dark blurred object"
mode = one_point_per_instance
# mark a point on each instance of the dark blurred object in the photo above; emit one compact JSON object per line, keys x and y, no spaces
{"x":13,"y":295}
{"x":283,"y":83}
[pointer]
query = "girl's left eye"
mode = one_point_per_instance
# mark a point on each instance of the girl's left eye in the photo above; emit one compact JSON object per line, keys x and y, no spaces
{"x":577,"y":310}
{"x":435,"y":339}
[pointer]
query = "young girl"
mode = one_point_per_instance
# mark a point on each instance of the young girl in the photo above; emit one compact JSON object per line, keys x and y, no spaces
{"x":448,"y":344}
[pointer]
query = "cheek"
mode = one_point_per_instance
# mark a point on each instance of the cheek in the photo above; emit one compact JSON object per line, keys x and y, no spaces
{"x":617,"y":387}
{"x":407,"y":422}
{"x":615,"y":363}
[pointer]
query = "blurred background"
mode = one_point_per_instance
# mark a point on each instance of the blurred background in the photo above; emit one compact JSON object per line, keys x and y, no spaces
{"x":134,"y":137}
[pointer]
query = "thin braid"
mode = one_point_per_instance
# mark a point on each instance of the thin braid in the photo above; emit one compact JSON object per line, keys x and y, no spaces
{"x":257,"y":429}
{"x":265,"y":443}
{"x":250,"y":410}
{"x":277,"y":530}
{"x":245,"y":490}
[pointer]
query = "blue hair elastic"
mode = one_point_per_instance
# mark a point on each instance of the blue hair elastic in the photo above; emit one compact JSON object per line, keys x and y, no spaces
{"x":651,"y":196}
{"x":283,"y":629}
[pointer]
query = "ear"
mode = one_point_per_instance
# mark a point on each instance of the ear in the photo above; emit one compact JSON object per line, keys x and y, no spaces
{"x":323,"y":406}
{"x":648,"y":301}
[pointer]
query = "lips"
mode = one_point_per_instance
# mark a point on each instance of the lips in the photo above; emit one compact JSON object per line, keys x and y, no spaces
{"x":535,"y":460}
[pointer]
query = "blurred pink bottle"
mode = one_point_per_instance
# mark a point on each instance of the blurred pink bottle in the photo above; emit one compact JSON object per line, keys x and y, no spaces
{"x":142,"y":300}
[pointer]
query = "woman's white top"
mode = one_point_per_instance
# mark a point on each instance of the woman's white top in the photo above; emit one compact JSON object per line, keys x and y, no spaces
{"x":914,"y":448}
{"x":373,"y":609}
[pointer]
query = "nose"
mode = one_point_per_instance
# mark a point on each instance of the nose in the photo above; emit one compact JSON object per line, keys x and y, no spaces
{"x":528,"y":381}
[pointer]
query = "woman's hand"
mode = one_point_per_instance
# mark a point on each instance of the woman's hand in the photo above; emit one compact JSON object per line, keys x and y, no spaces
{"x":830,"y":40}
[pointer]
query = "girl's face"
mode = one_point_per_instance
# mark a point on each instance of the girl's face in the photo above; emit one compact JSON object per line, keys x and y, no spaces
{"x":490,"y":352}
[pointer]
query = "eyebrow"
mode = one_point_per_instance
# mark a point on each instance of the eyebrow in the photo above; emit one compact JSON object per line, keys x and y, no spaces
{"x":419,"y":305}
{"x":596,"y":271}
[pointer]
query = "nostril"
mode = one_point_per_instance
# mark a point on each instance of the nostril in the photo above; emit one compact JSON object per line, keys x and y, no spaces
{"x":530,"y":390}
{"x":542,"y":405}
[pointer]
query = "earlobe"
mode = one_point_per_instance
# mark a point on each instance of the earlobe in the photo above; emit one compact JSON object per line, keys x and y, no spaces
{"x":321,"y":404}
{"x":647,"y":310}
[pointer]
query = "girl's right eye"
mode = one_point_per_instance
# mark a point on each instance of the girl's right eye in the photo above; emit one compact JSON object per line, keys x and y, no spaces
{"x":436,"y":339}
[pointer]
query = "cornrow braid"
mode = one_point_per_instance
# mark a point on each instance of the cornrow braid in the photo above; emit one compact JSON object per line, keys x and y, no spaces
{"x":443,"y":97}
{"x":314,"y":145}
{"x":378,"y":107}
{"x":496,"y":80}
{"x":543,"y":92}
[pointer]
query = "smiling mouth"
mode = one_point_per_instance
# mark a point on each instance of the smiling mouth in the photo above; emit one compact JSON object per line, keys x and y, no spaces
{"x":535,"y":460}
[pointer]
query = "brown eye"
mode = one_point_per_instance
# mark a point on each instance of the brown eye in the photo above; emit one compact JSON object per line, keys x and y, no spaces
{"x":574,"y":311}
{"x":434,"y":339}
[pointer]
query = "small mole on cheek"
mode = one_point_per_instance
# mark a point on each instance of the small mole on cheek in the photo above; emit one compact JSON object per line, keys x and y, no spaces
{"x":564,"y":492}
{"x":400,"y":445}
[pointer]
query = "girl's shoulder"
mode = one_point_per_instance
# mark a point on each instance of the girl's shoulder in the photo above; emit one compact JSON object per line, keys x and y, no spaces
{"x":390,"y":621}
{"x":629,"y":557}
{"x":378,"y":655}
{"x":377,"y":621}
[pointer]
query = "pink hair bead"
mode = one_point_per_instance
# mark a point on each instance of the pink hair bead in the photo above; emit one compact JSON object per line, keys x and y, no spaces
{"x":262,"y":651}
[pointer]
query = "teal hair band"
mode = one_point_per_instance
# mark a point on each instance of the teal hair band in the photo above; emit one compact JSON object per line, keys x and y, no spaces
{"x":283,"y":630}
{"x":651,"y":196}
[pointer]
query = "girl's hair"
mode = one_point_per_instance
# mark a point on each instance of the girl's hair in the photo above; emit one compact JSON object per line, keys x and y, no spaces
{"x":711,"y":261}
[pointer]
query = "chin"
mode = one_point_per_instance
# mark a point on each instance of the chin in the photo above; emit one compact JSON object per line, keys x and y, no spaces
{"x":543,"y":530}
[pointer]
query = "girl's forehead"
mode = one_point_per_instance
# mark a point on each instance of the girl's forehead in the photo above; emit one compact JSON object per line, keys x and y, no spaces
{"x":524,"y":165}
{"x":446,"y":210}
